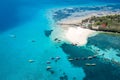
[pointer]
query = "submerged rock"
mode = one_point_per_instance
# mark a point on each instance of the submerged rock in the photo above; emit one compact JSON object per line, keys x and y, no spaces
{"x":74,"y":78}
{"x":48,"y":32}
{"x":48,"y":62}
{"x":52,"y":72}
{"x":118,"y":54}
{"x":65,"y":77}
{"x":33,"y":41}
{"x":52,"y":58}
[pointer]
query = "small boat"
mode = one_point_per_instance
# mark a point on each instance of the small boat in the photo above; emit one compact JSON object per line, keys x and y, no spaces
{"x":74,"y":44}
{"x":88,"y":64}
{"x":93,"y":64}
{"x":70,"y":59}
{"x":48,"y":67}
{"x":31,"y":61}
{"x":94,"y":56}
{"x":90,"y":57}
{"x":57,"y":57}
{"x":55,"y":39}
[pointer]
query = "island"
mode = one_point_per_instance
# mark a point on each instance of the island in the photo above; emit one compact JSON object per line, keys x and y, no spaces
{"x":109,"y":23}
{"x":77,"y":28}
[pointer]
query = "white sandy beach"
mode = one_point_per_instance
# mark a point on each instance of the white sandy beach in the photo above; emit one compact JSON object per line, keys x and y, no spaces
{"x":72,"y":34}
{"x":66,"y":29}
{"x":78,"y":35}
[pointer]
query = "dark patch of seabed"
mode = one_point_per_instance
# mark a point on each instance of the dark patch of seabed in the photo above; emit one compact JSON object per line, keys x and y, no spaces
{"x":102,"y":71}
{"x":64,"y":13}
{"x":105,"y":41}
{"x":48,"y":32}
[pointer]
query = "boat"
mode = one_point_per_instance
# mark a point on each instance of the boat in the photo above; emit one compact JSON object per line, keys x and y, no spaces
{"x":57,"y":57}
{"x":93,"y":64}
{"x":70,"y":59}
{"x":55,"y":39}
{"x":31,"y":61}
{"x":90,"y":64}
{"x":94,"y":56}
{"x":90,"y":57}
{"x":48,"y":67}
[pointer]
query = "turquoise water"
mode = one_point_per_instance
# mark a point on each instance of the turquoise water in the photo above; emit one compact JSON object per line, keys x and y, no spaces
{"x":27,"y":20}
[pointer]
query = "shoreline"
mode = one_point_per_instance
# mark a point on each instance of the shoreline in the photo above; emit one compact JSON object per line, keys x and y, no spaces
{"x":74,"y":35}
{"x":70,"y":30}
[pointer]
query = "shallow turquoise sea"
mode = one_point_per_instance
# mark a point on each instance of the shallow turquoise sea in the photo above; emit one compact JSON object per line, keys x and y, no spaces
{"x":27,"y":20}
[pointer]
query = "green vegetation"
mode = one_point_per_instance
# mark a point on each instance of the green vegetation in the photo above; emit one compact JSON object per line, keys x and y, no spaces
{"x":110,"y":20}
{"x":106,"y":23}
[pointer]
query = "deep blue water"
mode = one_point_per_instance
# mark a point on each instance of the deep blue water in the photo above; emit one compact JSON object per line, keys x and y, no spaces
{"x":14,"y":12}
{"x":27,"y":20}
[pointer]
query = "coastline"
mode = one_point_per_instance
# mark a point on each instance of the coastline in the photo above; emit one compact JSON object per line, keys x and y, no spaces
{"x":72,"y":34}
